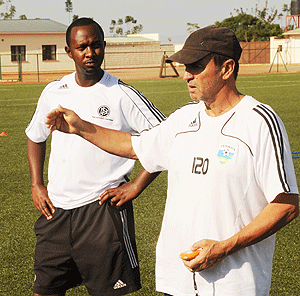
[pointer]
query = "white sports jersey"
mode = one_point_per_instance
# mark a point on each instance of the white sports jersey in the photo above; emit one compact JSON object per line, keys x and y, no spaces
{"x":222,"y":171}
{"x":79,"y":171}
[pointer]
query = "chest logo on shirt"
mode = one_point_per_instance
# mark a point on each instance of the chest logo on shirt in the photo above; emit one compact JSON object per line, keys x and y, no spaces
{"x":226,"y":153}
{"x":64,"y":86}
{"x":104,"y":111}
{"x":193,"y":123}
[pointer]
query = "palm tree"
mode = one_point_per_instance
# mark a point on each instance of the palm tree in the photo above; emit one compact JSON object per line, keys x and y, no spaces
{"x":69,"y":8}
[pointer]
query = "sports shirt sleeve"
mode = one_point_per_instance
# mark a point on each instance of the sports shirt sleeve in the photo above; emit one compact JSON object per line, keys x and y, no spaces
{"x":37,"y":130}
{"x":273,"y":159}
{"x":140,"y":113}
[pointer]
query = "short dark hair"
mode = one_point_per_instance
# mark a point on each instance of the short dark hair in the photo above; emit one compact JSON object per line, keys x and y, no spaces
{"x":221,"y":59}
{"x":84,"y":21}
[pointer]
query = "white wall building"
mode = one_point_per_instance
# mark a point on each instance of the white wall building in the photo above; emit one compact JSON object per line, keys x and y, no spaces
{"x":41,"y":43}
{"x":289,"y":48}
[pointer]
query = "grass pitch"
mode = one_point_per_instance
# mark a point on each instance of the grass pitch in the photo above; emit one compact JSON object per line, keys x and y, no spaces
{"x":18,"y":214}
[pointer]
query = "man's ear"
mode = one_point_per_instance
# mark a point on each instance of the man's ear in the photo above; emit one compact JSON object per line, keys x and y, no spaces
{"x":228,"y":68}
{"x":68,"y":51}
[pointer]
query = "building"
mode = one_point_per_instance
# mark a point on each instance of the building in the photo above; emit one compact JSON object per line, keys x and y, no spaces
{"x":40,"y":44}
{"x":134,"y":51}
{"x":286,"y":50}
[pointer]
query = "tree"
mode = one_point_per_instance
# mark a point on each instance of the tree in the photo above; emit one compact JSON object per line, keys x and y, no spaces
{"x":117,"y":28}
{"x":286,"y":8}
{"x":258,"y":26}
{"x":75,"y":17}
{"x":192,"y":27}
{"x":136,"y":29}
{"x":10,"y":10}
{"x":69,"y":8}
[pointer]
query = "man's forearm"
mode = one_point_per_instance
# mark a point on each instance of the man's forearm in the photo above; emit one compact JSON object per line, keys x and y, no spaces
{"x":271,"y":219}
{"x":144,"y":179}
{"x":36,"y":158}
{"x":111,"y":141}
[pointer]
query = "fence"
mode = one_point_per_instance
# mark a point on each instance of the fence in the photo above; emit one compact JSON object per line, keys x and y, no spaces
{"x":16,"y":65}
{"x":34,"y":66}
{"x":255,"y":52}
{"x":144,"y":59}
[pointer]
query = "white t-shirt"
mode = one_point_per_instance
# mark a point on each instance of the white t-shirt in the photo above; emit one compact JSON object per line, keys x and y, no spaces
{"x":79,"y":171}
{"x":222,"y":171}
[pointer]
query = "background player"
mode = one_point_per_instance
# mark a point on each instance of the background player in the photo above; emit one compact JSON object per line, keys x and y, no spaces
{"x":78,"y":240}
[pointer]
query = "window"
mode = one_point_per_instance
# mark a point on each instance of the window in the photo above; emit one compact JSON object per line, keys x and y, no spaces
{"x":17,"y":50}
{"x":49,"y":52}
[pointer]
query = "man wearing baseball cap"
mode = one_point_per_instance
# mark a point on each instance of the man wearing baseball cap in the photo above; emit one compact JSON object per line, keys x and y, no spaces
{"x":205,"y":41}
{"x":231,"y":181}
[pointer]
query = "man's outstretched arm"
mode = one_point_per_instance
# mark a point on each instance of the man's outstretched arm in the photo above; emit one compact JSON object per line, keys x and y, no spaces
{"x":112,"y":141}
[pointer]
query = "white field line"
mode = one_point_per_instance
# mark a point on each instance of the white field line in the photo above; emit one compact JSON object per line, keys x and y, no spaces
{"x":269,"y":86}
{"x":17,"y":105}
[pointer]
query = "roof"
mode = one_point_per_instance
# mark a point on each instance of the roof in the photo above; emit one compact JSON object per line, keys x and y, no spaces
{"x":129,"y":39}
{"x":36,"y":25}
{"x":292,"y":32}
{"x":40,"y":26}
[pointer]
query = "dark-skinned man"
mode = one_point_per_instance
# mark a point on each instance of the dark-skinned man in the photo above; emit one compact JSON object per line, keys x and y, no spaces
{"x":80,"y":241}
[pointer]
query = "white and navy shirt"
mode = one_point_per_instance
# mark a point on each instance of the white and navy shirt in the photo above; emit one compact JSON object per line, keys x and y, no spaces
{"x":79,"y":171}
{"x":222,"y":171}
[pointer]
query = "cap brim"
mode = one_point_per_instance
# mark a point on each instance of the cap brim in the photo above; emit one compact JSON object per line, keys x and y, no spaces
{"x":187,"y":56}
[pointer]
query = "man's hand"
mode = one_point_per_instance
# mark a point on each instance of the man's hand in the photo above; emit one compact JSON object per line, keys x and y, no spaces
{"x":120,"y":195}
{"x":211,"y":253}
{"x":63,"y":120}
{"x":281,"y":211}
{"x":42,"y":201}
{"x":128,"y":191}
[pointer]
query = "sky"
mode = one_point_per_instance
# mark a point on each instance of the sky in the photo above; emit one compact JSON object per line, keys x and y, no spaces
{"x":169,"y":18}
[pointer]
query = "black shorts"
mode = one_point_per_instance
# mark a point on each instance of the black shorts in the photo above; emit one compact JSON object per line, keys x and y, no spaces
{"x":92,"y":245}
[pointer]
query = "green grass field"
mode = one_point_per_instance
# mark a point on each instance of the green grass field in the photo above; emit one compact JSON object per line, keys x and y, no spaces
{"x":18,"y":214}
